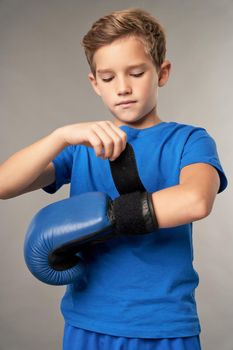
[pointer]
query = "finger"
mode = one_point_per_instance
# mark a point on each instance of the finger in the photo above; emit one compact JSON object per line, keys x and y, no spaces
{"x":117,"y":137}
{"x":106,"y":139}
{"x":95,"y":142}
{"x":120,"y":132}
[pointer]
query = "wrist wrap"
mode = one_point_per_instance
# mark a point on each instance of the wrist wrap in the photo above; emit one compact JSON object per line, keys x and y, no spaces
{"x":133,"y":213}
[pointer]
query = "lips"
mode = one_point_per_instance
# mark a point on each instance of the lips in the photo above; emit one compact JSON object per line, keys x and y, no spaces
{"x":125,"y":102}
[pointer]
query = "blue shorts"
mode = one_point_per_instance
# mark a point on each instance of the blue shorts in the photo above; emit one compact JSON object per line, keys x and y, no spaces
{"x":80,"y":339}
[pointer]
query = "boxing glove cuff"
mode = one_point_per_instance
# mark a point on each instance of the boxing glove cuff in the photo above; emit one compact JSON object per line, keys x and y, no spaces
{"x":133,"y":213}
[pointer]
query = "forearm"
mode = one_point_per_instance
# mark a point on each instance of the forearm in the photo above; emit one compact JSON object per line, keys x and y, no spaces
{"x":23,"y":167}
{"x":177,"y":205}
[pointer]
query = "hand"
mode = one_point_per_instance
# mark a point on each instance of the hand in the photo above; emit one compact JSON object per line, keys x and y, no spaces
{"x":107,"y":139}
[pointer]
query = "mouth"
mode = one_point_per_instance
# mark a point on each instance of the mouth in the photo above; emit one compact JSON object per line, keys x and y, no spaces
{"x":126,"y":103}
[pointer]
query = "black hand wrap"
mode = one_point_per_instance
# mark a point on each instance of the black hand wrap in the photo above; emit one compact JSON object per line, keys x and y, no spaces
{"x":133,"y":213}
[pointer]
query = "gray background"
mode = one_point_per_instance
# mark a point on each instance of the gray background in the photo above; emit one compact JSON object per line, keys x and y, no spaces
{"x":44,"y":85}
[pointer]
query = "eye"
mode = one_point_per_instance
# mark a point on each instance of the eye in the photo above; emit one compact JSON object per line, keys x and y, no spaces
{"x":134,"y":75}
{"x":107,"y":80}
{"x":138,"y":75}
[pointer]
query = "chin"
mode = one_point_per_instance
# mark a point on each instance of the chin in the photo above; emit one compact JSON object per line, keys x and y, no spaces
{"x":130,"y":117}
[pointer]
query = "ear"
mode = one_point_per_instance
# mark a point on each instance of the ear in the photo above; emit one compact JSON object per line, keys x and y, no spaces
{"x":94,"y":83}
{"x":164,"y":72}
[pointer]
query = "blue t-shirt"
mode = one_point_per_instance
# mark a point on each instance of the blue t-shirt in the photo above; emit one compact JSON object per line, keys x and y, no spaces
{"x":139,"y":286}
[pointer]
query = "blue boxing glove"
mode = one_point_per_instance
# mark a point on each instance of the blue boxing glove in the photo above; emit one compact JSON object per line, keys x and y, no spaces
{"x":59,"y":232}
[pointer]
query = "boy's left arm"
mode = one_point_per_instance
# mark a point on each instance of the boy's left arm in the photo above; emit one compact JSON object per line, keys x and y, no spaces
{"x":189,"y":201}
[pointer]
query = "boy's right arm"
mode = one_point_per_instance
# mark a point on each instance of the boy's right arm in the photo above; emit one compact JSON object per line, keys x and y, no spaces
{"x":31,"y":168}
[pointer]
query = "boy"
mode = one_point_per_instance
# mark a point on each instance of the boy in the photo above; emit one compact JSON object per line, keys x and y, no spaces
{"x":140,"y":291}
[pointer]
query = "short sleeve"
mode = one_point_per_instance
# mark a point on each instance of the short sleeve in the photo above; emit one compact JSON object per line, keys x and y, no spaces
{"x":63,"y":167}
{"x":200,"y":147}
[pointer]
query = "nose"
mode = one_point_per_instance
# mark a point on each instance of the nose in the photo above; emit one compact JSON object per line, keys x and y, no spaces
{"x":123,"y":87}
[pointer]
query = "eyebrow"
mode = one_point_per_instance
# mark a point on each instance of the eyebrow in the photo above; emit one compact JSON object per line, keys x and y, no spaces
{"x":128,"y":67}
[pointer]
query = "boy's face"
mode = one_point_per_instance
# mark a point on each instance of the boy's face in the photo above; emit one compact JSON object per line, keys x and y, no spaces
{"x":119,"y":82}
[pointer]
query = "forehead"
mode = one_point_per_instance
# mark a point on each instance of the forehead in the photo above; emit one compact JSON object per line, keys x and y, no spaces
{"x":124,"y":53}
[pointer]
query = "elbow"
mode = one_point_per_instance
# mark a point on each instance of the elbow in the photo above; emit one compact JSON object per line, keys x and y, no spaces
{"x":204,"y":208}
{"x":3,"y":191}
{"x":4,"y":196}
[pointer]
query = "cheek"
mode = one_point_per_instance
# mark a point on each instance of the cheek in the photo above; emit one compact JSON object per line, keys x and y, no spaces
{"x":107,"y":96}
{"x":148,"y":87}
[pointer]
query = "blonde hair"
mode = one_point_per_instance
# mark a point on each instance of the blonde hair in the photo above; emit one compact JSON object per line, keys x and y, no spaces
{"x":124,"y":23}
